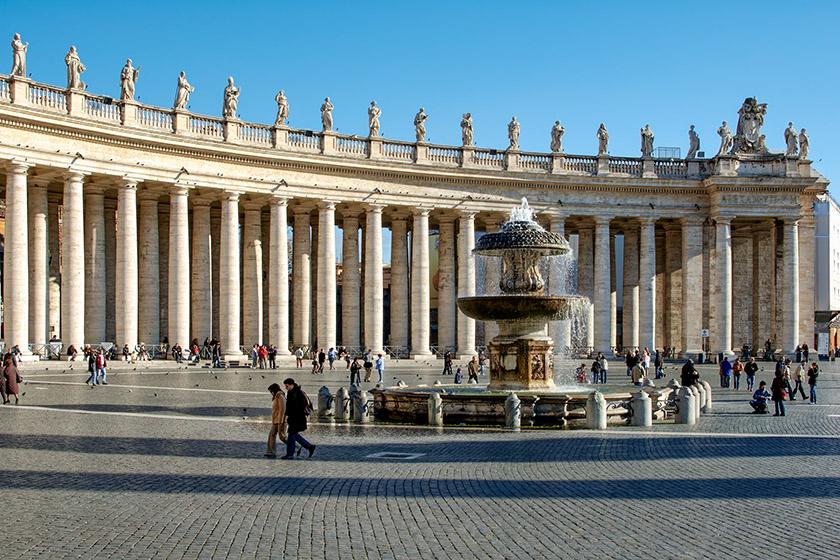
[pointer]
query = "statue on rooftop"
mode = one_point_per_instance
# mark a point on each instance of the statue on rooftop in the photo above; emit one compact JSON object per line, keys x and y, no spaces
{"x":374,"y":113}
{"x":693,"y":143}
{"x":420,"y":125}
{"x":748,"y":137}
{"x":326,"y":114}
{"x":467,"y":129}
{"x":725,"y":139}
{"x":603,"y":140}
{"x":557,"y":133}
{"x":182,"y":94}
{"x":282,"y":108}
{"x":513,"y":134}
{"x":231,"y":100}
{"x":804,"y":145}
{"x":647,"y":141}
{"x":128,"y":77}
{"x":791,"y":141}
{"x":74,"y":70}
{"x":18,"y":57}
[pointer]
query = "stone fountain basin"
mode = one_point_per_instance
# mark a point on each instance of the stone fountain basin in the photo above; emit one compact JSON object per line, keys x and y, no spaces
{"x":515,"y":307}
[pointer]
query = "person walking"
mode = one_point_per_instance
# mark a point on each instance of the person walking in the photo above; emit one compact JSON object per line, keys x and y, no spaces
{"x":380,"y":366}
{"x":750,"y":368}
{"x":101,"y":368}
{"x":725,"y":372}
{"x":272,"y":356}
{"x":472,"y":370}
{"x":737,"y":369}
{"x":278,"y":420}
{"x":604,"y":367}
{"x":217,"y":354}
{"x":298,"y":407}
{"x":299,"y":358}
{"x":777,"y":391}
{"x":331,"y":357}
{"x":657,"y":364}
{"x":11,"y":378}
{"x":91,"y":380}
{"x":798,"y":378}
{"x":447,"y":363}
{"x":322,"y":358}
{"x":596,"y":371}
{"x":813,"y":373}
{"x":355,"y":372}
{"x":482,"y":357}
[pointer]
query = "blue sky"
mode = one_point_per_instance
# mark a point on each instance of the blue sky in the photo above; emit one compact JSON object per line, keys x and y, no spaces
{"x":627,"y":64}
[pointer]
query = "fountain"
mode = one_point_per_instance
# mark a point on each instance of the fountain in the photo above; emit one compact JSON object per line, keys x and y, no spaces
{"x":522,"y":355}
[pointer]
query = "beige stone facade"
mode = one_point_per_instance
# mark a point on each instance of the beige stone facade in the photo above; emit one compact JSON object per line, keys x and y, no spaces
{"x":176,"y":225}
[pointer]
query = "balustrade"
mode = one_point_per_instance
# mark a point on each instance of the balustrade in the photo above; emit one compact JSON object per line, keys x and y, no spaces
{"x":489,"y":158}
{"x":154,"y":118}
{"x":207,"y":126}
{"x":534,"y":161}
{"x":445,"y":154}
{"x":102,"y":108}
{"x":304,"y":140}
{"x":629,"y":166}
{"x":48,"y":97}
{"x":4,"y":90}
{"x":583,"y":164}
{"x":255,"y":133}
{"x":398,"y":150}
{"x":351,"y":145}
{"x":670,"y":168}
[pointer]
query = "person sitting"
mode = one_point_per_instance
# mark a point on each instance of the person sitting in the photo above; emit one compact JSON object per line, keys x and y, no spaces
{"x":759,"y":400}
{"x":580,"y":373}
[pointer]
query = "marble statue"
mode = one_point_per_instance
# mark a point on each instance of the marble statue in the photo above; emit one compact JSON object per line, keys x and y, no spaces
{"x":513,"y":134}
{"x":647,"y":141}
{"x":725,"y":139}
{"x":326,"y":114}
{"x":467,"y":129}
{"x":374,"y":113}
{"x":748,"y":137}
{"x":693,"y":143}
{"x":182,"y":94}
{"x":231,"y":100}
{"x":420,"y":125}
{"x":74,"y":70}
{"x":557,"y":133}
{"x":603,"y":140}
{"x":128,"y":77}
{"x":282,"y":108}
{"x":791,"y":141}
{"x":18,"y":57}
{"x":804,"y":145}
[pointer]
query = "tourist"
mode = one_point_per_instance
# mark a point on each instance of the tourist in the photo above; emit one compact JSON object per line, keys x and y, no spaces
{"x":195,"y":353}
{"x":798,"y":353}
{"x":472,"y":370}
{"x":737,"y":369}
{"x":759,"y":399}
{"x":11,"y":378}
{"x":689,"y":375}
{"x":596,"y":371}
{"x":786,"y":378}
{"x":780,"y":364}
{"x":813,"y":373}
{"x":272,"y":356}
{"x":725,"y":372}
{"x":299,"y":358}
{"x":604,"y":367}
{"x":177,"y":352}
{"x":657,"y":364}
{"x":750,"y":368}
{"x":346,"y":355}
{"x":263,"y":356}
{"x":331,"y":356}
{"x":278,"y":419}
{"x":91,"y":359}
{"x":322,"y":358}
{"x":637,"y":375}
{"x":368,"y":365}
{"x":447,"y":363}
{"x":355,"y":372}
{"x":646,"y":360}
{"x":217,"y":354}
{"x":580,"y":373}
{"x":630,"y":360}
{"x":101,"y":368}
{"x":805,"y":351}
{"x":458,"y":376}
{"x":798,"y":378}
{"x":777,"y":390}
{"x":72,"y":352}
{"x":314,"y":366}
{"x":482,"y":357}
{"x":380,"y":365}
{"x":298,"y":407}
{"x":255,"y":356}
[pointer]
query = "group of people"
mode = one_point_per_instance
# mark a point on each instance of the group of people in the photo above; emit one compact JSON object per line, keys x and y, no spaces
{"x":264,"y":356}
{"x":368,"y":362}
{"x":639,"y":365}
{"x":599,"y":369}
{"x":97,"y":367}
{"x":731,"y":372}
{"x":289,"y":412}
{"x":475,"y":367}
{"x":781,"y":389}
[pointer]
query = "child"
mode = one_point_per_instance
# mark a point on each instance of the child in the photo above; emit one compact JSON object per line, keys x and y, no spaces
{"x":581,"y":373}
{"x":458,"y":376}
{"x":759,"y":400}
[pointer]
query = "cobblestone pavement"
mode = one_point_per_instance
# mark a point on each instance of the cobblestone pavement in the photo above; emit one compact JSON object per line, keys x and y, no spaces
{"x":168,"y":463}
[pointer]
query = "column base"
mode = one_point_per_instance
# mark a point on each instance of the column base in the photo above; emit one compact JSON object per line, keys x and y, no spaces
{"x":465,"y":356}
{"x":241,"y":358}
{"x":29,"y":357}
{"x":421,"y":356}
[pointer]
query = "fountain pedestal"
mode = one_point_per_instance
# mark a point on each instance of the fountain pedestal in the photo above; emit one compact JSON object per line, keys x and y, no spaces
{"x":521,"y":365}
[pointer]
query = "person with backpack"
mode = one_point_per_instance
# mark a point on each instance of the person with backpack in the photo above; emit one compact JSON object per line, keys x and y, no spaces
{"x":355,"y":375}
{"x":298,"y":407}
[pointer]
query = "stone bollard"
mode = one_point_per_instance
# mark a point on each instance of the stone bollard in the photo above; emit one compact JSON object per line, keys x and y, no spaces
{"x":642,"y":410}
{"x":701,"y":404}
{"x":325,"y":401}
{"x":685,"y":407}
{"x":351,"y":394}
{"x":596,"y":411}
{"x":360,"y":407}
{"x":696,"y":392}
{"x":708,"y":403}
{"x":435,"y":410}
{"x":342,"y":404}
{"x":513,"y":411}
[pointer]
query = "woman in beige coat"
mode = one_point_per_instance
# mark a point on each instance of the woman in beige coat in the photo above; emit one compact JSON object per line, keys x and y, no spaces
{"x":278,"y":419}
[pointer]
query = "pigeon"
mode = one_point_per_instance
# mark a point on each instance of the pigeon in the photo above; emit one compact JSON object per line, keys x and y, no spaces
{"x":215,"y":376}
{"x":196,"y":384}
{"x":155,"y":394}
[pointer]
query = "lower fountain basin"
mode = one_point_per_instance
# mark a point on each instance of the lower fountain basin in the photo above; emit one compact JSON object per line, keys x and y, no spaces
{"x":519,"y":307}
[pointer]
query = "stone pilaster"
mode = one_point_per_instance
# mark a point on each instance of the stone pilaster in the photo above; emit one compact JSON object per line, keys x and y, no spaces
{"x":374,"y":305}
{"x":420,"y":285}
{"x":95,"y":267}
{"x":723,"y":275}
{"x":743,"y":291}
{"x":399,"y":279}
{"x":252,"y":279}
{"x":179,"y":269}
{"x":327,"y":320}
{"x":16,"y":258}
{"x":630,"y":288}
{"x":446,"y":283}
{"x":673,"y":272}
{"x":691,"y":344}
{"x":790,"y":322}
{"x":764,"y":283}
{"x":301,"y":270}
{"x":808,"y":256}
{"x":278,"y":277}
{"x":54,"y":267}
{"x":662,"y":318}
{"x":126,"y":267}
{"x":466,"y":283}
{"x":350,"y":281}
{"x":149,"y":269}
{"x":73,"y":262}
{"x":647,"y":283}
{"x":601,"y":281}
{"x":201,"y":288}
{"x":38,"y":257}
{"x":586,"y":280}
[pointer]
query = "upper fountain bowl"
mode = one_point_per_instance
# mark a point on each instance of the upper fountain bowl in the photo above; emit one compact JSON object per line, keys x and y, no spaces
{"x":522,"y":235}
{"x":512,"y":308}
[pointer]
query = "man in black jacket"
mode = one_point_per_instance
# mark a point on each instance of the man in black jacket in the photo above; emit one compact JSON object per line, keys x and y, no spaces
{"x":298,"y":407}
{"x":689,"y":375}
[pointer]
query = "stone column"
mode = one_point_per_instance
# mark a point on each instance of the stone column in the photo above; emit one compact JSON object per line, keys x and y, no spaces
{"x":327,"y":320}
{"x":466,"y":283}
{"x":201,"y":288}
{"x":691,"y":343}
{"x":807,"y":253}
{"x":586,"y":281}
{"x":110,"y":269}
{"x":493,"y":275}
{"x":613,"y":296}
{"x":301,"y":301}
{"x":790,"y":322}
{"x":601,"y":292}
{"x":55,"y":268}
{"x":447,"y":310}
{"x":38,"y":270}
{"x":16,"y":259}
{"x":674,"y":274}
{"x":374,"y":319}
{"x":723,"y":309}
{"x":149,"y":269}
{"x":420,"y":285}
{"x":313,"y":282}
{"x":647,"y":284}
{"x":350,"y":294}
{"x":163,"y":263}
{"x":278,"y":277}
{"x":630,"y":288}
{"x":215,"y":268}
{"x":252,"y":280}
{"x":73,"y":262}
{"x":399,"y":279}
{"x":126,"y":267}
{"x":95,"y":267}
{"x":179,"y":267}
{"x":229,"y":287}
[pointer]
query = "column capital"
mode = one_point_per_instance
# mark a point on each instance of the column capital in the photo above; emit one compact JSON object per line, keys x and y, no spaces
{"x":692,"y":221}
{"x":373,"y":208}
{"x":146,"y":195}
{"x":127,"y":184}
{"x":179,"y":190}
{"x":790,"y":220}
{"x":230,"y":196}
{"x":446,"y":218}
{"x":807,"y":222}
{"x":279,"y":200}
{"x":602,"y":220}
{"x":555,"y":216}
{"x":95,"y":189}
{"x":421,"y":212}
{"x":75,"y":176}
{"x":722,"y":217}
{"x":201,"y":201}
{"x":251,"y":205}
{"x":301,"y":210}
{"x":39,"y":182}
{"x":18,"y":167}
{"x":400,"y":214}
{"x":647,"y":221}
{"x":466,"y":214}
{"x":327,"y":205}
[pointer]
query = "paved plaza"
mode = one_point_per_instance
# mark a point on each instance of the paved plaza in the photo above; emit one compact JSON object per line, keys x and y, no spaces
{"x":167,"y":462}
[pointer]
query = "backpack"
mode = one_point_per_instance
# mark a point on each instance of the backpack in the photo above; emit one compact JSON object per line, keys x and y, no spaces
{"x":307,"y":409}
